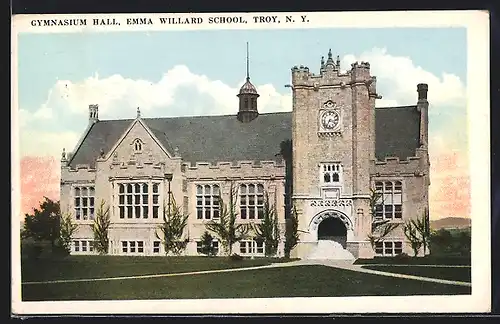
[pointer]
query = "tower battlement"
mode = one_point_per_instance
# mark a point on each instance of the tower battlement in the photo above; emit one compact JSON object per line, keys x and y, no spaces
{"x":331,"y":75}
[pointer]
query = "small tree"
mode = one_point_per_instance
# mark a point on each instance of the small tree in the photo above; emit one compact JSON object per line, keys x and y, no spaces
{"x":412,"y":236}
{"x":423,"y":227}
{"x":379,"y":228}
{"x":268,"y":230}
{"x":172,"y":228}
{"x":225,"y":227}
{"x":67,"y":229}
{"x":100,"y":228}
{"x":291,"y":232}
{"x":207,"y":246}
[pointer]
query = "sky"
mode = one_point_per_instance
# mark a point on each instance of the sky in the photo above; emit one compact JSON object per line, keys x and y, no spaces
{"x":180,"y":73}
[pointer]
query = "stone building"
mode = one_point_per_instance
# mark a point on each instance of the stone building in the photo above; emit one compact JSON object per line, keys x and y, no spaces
{"x":324,"y":157}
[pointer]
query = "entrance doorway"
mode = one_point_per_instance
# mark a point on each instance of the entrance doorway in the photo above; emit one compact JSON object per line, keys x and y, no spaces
{"x":333,"y":229}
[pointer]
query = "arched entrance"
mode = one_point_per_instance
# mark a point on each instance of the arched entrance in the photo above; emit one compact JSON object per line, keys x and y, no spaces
{"x":333,"y":229}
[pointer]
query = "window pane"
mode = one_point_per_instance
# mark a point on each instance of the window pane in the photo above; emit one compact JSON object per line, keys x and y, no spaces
{"x":121,"y":199}
{"x":260,"y":200}
{"x":137,"y":199}
{"x":129,"y":188}
{"x":398,"y":186}
{"x":260,"y":188}
{"x":84,"y":202}
{"x":92,"y":191}
{"x":91,"y":213}
{"x":155,"y":188}
{"x":137,"y":212}
{"x":207,"y":213}
{"x":199,"y":213}
{"x":216,"y":213}
{"x":207,"y":190}
{"x":251,"y":188}
{"x":243,"y":212}
{"x":129,"y":211}
{"x":155,"y":211}
{"x":144,"y":199}
{"x":155,"y":199}
{"x":91,"y":202}
{"x":260,"y":211}
{"x":243,"y":189}
{"x":145,"y":212}
{"x":122,"y":212}
{"x":251,"y":213}
{"x":77,"y":191}
{"x":84,"y":191}
{"x":335,"y":177}
{"x":145,"y":188}
{"x":208,"y":200}
{"x":77,"y":213}
{"x":388,"y":186}
{"x":137,"y":188}
{"x":199,"y":201}
{"x":129,"y":199}
{"x":121,"y":188}
{"x":397,"y":199}
{"x":216,"y":190}
{"x":77,"y":202}
{"x":251,"y":200}
{"x":378,"y":186}
{"x":199,"y":190}
{"x":243,"y":201}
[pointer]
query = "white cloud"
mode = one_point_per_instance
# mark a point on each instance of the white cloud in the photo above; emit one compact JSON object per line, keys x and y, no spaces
{"x":181,"y":92}
{"x":397,"y":79}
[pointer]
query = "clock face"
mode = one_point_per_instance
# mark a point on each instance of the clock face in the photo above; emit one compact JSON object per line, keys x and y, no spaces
{"x":330,"y":119}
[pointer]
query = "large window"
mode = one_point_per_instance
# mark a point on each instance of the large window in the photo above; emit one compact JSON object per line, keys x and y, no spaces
{"x":207,"y":201}
{"x":389,"y":202}
{"x":252,"y":201}
{"x":215,"y":245}
{"x":84,"y":202}
{"x":132,"y":247}
{"x":252,"y":248}
{"x":388,"y":248}
{"x":83,"y":246}
{"x":330,"y":173}
{"x":139,"y":200}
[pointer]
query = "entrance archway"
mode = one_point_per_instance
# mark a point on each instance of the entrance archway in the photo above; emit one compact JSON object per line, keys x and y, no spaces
{"x":333,"y":229}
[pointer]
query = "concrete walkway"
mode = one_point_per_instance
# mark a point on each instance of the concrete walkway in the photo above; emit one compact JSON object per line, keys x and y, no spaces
{"x":345,"y":265}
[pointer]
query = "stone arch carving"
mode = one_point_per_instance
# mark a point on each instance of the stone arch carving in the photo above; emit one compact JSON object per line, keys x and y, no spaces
{"x":330,"y":213}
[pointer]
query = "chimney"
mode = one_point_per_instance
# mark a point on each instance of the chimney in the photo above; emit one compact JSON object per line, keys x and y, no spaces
{"x":422,"y":91}
{"x":93,"y":113}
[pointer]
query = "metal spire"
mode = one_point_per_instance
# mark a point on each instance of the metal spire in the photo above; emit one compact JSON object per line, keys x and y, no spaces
{"x":248,"y":65}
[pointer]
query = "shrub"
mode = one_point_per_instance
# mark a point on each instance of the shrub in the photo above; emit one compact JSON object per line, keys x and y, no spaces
{"x":235,"y":257}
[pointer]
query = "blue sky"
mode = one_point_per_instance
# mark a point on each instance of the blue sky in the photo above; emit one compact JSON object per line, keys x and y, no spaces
{"x":220,"y":55}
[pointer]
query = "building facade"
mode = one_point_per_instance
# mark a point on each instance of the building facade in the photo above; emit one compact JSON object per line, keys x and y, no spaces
{"x":328,"y":157}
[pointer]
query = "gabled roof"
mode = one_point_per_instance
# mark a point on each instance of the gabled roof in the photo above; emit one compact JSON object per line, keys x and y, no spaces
{"x":224,"y":138}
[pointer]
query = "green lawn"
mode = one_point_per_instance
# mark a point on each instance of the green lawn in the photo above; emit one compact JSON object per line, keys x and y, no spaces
{"x":87,"y":267}
{"x":431,"y":259}
{"x":447,"y":273}
{"x":300,"y":281}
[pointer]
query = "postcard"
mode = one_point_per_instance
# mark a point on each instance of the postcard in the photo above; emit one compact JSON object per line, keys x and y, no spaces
{"x":237,"y":163}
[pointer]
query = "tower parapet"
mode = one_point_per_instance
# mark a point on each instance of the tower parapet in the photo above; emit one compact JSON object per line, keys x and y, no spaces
{"x":331,"y":75}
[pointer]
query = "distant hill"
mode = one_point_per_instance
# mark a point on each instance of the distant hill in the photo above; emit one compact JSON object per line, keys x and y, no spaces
{"x":450,"y":222}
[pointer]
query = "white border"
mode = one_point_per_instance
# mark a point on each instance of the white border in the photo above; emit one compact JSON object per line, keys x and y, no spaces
{"x":477,"y":24}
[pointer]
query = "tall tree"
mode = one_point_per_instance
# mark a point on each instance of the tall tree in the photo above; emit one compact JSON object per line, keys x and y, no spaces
{"x":44,"y":223}
{"x":172,"y":229}
{"x":412,"y":236}
{"x":100,"y":227}
{"x":268,"y":231}
{"x":225,"y":227}
{"x":291,"y":232}
{"x":66,"y":231}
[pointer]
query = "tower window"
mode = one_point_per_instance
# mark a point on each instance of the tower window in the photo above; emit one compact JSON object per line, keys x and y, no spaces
{"x":330,"y":173}
{"x":246,"y":103}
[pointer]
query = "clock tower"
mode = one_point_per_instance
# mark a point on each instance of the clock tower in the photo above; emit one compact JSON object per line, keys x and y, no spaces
{"x":333,"y":147}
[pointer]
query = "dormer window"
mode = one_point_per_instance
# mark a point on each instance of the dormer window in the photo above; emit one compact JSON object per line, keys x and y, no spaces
{"x":137,"y":144}
{"x":330,"y":173}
